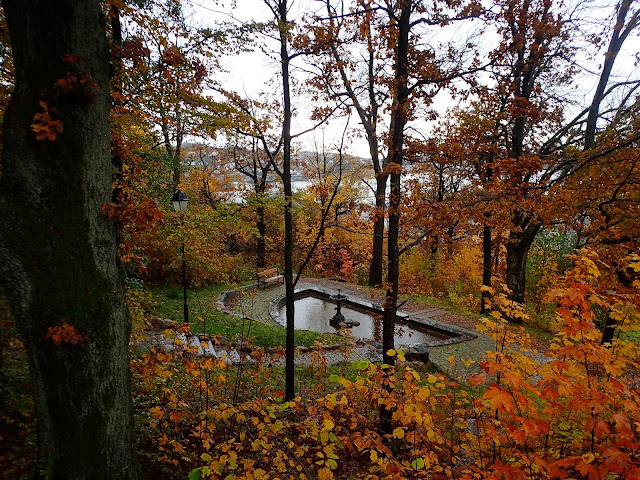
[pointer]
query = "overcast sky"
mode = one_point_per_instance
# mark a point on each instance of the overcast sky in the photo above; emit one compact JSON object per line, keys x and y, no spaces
{"x":249,"y":72}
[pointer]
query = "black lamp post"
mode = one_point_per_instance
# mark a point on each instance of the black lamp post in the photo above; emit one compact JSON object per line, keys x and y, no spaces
{"x":180,"y":202}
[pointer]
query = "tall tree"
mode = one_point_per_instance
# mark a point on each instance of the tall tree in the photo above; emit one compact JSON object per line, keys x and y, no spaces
{"x":166,"y":66}
{"x":538,"y":48}
{"x":399,"y":110}
{"x":419,"y":72}
{"x":351,"y":72}
{"x":58,"y":256}
{"x":280,"y":11}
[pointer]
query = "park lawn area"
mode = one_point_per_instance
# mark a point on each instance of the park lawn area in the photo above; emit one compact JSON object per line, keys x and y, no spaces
{"x":230,"y":330}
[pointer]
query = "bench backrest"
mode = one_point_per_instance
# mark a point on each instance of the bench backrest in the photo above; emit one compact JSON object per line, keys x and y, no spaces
{"x":268,"y":273}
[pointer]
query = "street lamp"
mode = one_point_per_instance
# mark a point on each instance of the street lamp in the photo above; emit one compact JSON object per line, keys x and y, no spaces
{"x":180,"y":202}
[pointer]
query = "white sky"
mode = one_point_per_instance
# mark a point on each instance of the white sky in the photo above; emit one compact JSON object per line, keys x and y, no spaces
{"x":249,"y":72}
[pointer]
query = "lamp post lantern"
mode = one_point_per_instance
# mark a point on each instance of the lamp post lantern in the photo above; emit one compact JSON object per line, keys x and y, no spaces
{"x":180,"y":202}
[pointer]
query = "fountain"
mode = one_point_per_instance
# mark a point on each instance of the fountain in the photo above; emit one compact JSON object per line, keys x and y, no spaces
{"x":315,"y":304}
{"x":338,"y":320}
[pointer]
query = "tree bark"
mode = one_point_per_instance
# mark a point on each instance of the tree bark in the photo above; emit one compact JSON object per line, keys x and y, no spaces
{"x":58,"y":252}
{"x":262,"y":231}
{"x":377,"y":252}
{"x":520,"y":240}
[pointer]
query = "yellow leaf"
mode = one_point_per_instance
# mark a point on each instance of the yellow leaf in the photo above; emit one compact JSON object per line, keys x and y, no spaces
{"x":485,"y":288}
{"x":422,"y":394}
{"x":398,"y":433}
{"x":374,"y":456}
{"x":156,"y":412}
{"x":327,"y":425}
{"x":324,"y":474}
{"x":391,"y":352}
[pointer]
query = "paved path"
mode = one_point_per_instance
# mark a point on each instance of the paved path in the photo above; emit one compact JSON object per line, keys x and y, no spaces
{"x":429,"y":312}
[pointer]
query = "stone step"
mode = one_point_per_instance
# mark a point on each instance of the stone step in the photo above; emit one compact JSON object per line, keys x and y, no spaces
{"x":194,"y":345}
{"x":208,"y":349}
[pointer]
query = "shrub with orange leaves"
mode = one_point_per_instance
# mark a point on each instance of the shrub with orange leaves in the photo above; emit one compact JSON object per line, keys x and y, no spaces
{"x":570,"y":414}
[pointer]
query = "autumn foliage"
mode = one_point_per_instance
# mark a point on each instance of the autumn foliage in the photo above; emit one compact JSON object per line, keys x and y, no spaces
{"x":506,"y":163}
{"x":566,"y":414}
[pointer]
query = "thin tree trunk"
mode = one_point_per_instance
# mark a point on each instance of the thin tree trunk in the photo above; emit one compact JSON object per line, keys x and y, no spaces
{"x":261,"y":244}
{"x":377,"y":252}
{"x":486,"y":269}
{"x":369,"y":120}
{"x":288,"y":217}
{"x":398,"y":122}
{"x":58,"y":252}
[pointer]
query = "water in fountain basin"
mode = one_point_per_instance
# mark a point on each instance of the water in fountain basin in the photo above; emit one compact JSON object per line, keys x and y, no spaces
{"x":313,"y":314}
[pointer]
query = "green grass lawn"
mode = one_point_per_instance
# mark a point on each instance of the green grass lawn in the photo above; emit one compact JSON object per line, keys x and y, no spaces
{"x":230,"y":330}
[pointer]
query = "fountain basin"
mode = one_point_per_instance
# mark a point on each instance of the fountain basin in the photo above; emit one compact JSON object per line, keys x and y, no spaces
{"x":314,"y":307}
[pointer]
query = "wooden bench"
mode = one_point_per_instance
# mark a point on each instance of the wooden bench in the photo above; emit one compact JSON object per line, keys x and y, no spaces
{"x":268,"y":276}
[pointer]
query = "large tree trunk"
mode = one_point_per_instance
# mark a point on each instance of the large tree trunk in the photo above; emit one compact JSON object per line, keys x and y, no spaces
{"x":58,"y":252}
{"x":520,"y":240}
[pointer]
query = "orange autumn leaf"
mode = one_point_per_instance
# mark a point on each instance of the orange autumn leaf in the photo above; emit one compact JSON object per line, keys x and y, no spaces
{"x":499,"y":399}
{"x":156,"y":412}
{"x":65,"y":333}
{"x":477,"y":379}
{"x":45,"y":126}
